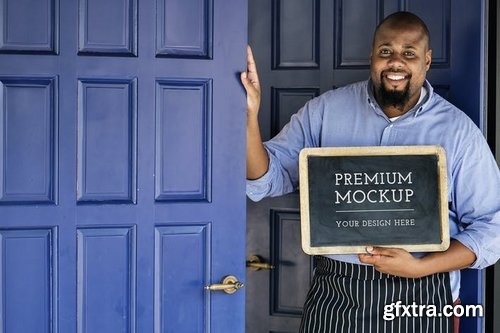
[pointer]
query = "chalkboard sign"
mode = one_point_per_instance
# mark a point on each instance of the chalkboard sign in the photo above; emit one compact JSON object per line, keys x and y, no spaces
{"x":383,"y":196}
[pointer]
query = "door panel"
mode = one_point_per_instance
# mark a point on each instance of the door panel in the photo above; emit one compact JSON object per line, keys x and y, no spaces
{"x":106,"y":270}
{"x":185,"y":135}
{"x":275,"y":297}
{"x":295,"y":20}
{"x":34,"y":30}
{"x":191,"y":313}
{"x":121,"y":165}
{"x":107,"y":141}
{"x":98,"y":36}
{"x":35,"y":248}
{"x":288,"y":275}
{"x":28,"y":127}
{"x":306,"y":47}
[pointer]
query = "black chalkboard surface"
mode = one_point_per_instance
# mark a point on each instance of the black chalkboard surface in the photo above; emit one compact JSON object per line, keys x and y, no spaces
{"x":384,"y":196}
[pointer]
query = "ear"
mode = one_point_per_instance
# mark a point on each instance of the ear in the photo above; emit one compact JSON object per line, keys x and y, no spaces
{"x":428,"y":59}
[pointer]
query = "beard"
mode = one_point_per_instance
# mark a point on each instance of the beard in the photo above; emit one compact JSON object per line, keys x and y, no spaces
{"x":394,"y":98}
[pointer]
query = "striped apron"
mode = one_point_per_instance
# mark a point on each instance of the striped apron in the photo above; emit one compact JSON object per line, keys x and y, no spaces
{"x":351,"y":298}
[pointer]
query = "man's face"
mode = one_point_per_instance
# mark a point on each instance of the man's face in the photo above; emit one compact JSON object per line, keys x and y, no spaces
{"x":399,"y":62}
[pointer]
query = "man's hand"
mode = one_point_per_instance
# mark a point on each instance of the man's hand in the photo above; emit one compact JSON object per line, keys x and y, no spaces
{"x":257,"y":158}
{"x":393,"y":261}
{"x":250,"y":80}
{"x":402,"y":263}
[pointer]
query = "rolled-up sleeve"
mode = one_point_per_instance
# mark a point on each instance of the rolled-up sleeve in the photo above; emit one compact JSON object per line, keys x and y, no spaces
{"x":476,"y":201}
{"x":265,"y":186}
{"x":278,"y":179}
{"x":283,"y":150}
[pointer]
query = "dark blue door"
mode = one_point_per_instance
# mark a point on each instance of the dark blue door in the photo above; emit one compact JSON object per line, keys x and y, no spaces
{"x":121,"y":165}
{"x":306,"y":47}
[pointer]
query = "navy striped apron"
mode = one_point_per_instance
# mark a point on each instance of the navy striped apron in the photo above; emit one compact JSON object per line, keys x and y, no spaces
{"x":350,"y":298}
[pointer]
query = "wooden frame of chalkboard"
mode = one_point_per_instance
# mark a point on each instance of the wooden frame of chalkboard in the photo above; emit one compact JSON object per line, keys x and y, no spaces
{"x":353,"y":197}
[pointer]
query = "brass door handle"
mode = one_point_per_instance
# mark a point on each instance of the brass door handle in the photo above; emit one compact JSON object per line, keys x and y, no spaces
{"x":255,"y":263}
{"x":229,"y":285}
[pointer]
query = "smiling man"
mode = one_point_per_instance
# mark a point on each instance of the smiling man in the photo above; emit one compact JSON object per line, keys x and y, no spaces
{"x":396,"y":106}
{"x":399,"y":62}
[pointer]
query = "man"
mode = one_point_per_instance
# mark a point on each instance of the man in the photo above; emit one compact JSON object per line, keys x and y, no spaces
{"x":396,"y":106}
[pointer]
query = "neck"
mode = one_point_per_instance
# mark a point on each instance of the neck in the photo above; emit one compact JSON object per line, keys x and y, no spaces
{"x":395,"y":111}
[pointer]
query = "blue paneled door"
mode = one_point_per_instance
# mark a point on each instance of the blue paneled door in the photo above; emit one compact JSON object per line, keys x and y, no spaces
{"x":306,"y":47}
{"x":121,"y":165}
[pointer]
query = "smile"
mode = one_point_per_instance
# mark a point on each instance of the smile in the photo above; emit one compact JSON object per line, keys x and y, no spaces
{"x":396,"y":77}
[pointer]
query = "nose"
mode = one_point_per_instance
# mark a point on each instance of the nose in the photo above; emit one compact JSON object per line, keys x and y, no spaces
{"x":396,"y":60}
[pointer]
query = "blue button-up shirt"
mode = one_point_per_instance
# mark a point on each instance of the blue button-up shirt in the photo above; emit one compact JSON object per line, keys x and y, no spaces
{"x":350,"y":116}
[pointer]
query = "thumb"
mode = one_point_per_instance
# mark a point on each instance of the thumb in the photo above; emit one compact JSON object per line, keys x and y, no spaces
{"x":244,"y":79}
{"x":249,"y":87}
{"x":381,"y":251}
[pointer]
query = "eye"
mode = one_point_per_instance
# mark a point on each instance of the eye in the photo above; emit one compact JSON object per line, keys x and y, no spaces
{"x":409,"y":54}
{"x":384,"y":52}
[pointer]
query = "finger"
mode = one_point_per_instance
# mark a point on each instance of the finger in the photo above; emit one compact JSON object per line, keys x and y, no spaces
{"x":369,"y":259}
{"x":250,"y":85}
{"x":252,"y":67}
{"x":381,"y":251}
{"x":247,"y":84}
{"x":364,"y":258}
{"x":244,"y":78}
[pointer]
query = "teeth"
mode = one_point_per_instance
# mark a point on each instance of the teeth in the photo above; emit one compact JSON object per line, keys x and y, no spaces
{"x":395,"y":77}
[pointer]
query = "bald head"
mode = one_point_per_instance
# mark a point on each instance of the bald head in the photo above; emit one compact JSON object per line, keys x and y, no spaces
{"x":403,"y":21}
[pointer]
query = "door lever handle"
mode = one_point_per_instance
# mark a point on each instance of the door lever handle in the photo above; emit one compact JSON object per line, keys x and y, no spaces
{"x":255,"y":263}
{"x":229,"y":285}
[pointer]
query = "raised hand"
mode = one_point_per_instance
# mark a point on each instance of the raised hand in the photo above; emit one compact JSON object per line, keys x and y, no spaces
{"x":257,"y":158}
{"x":250,"y":80}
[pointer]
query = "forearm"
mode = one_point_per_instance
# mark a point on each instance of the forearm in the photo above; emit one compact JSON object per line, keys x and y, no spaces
{"x":257,"y":157}
{"x":456,"y":257}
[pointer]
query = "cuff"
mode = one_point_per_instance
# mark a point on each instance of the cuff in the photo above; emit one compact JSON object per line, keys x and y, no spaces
{"x":258,"y":189}
{"x":469,"y":243}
